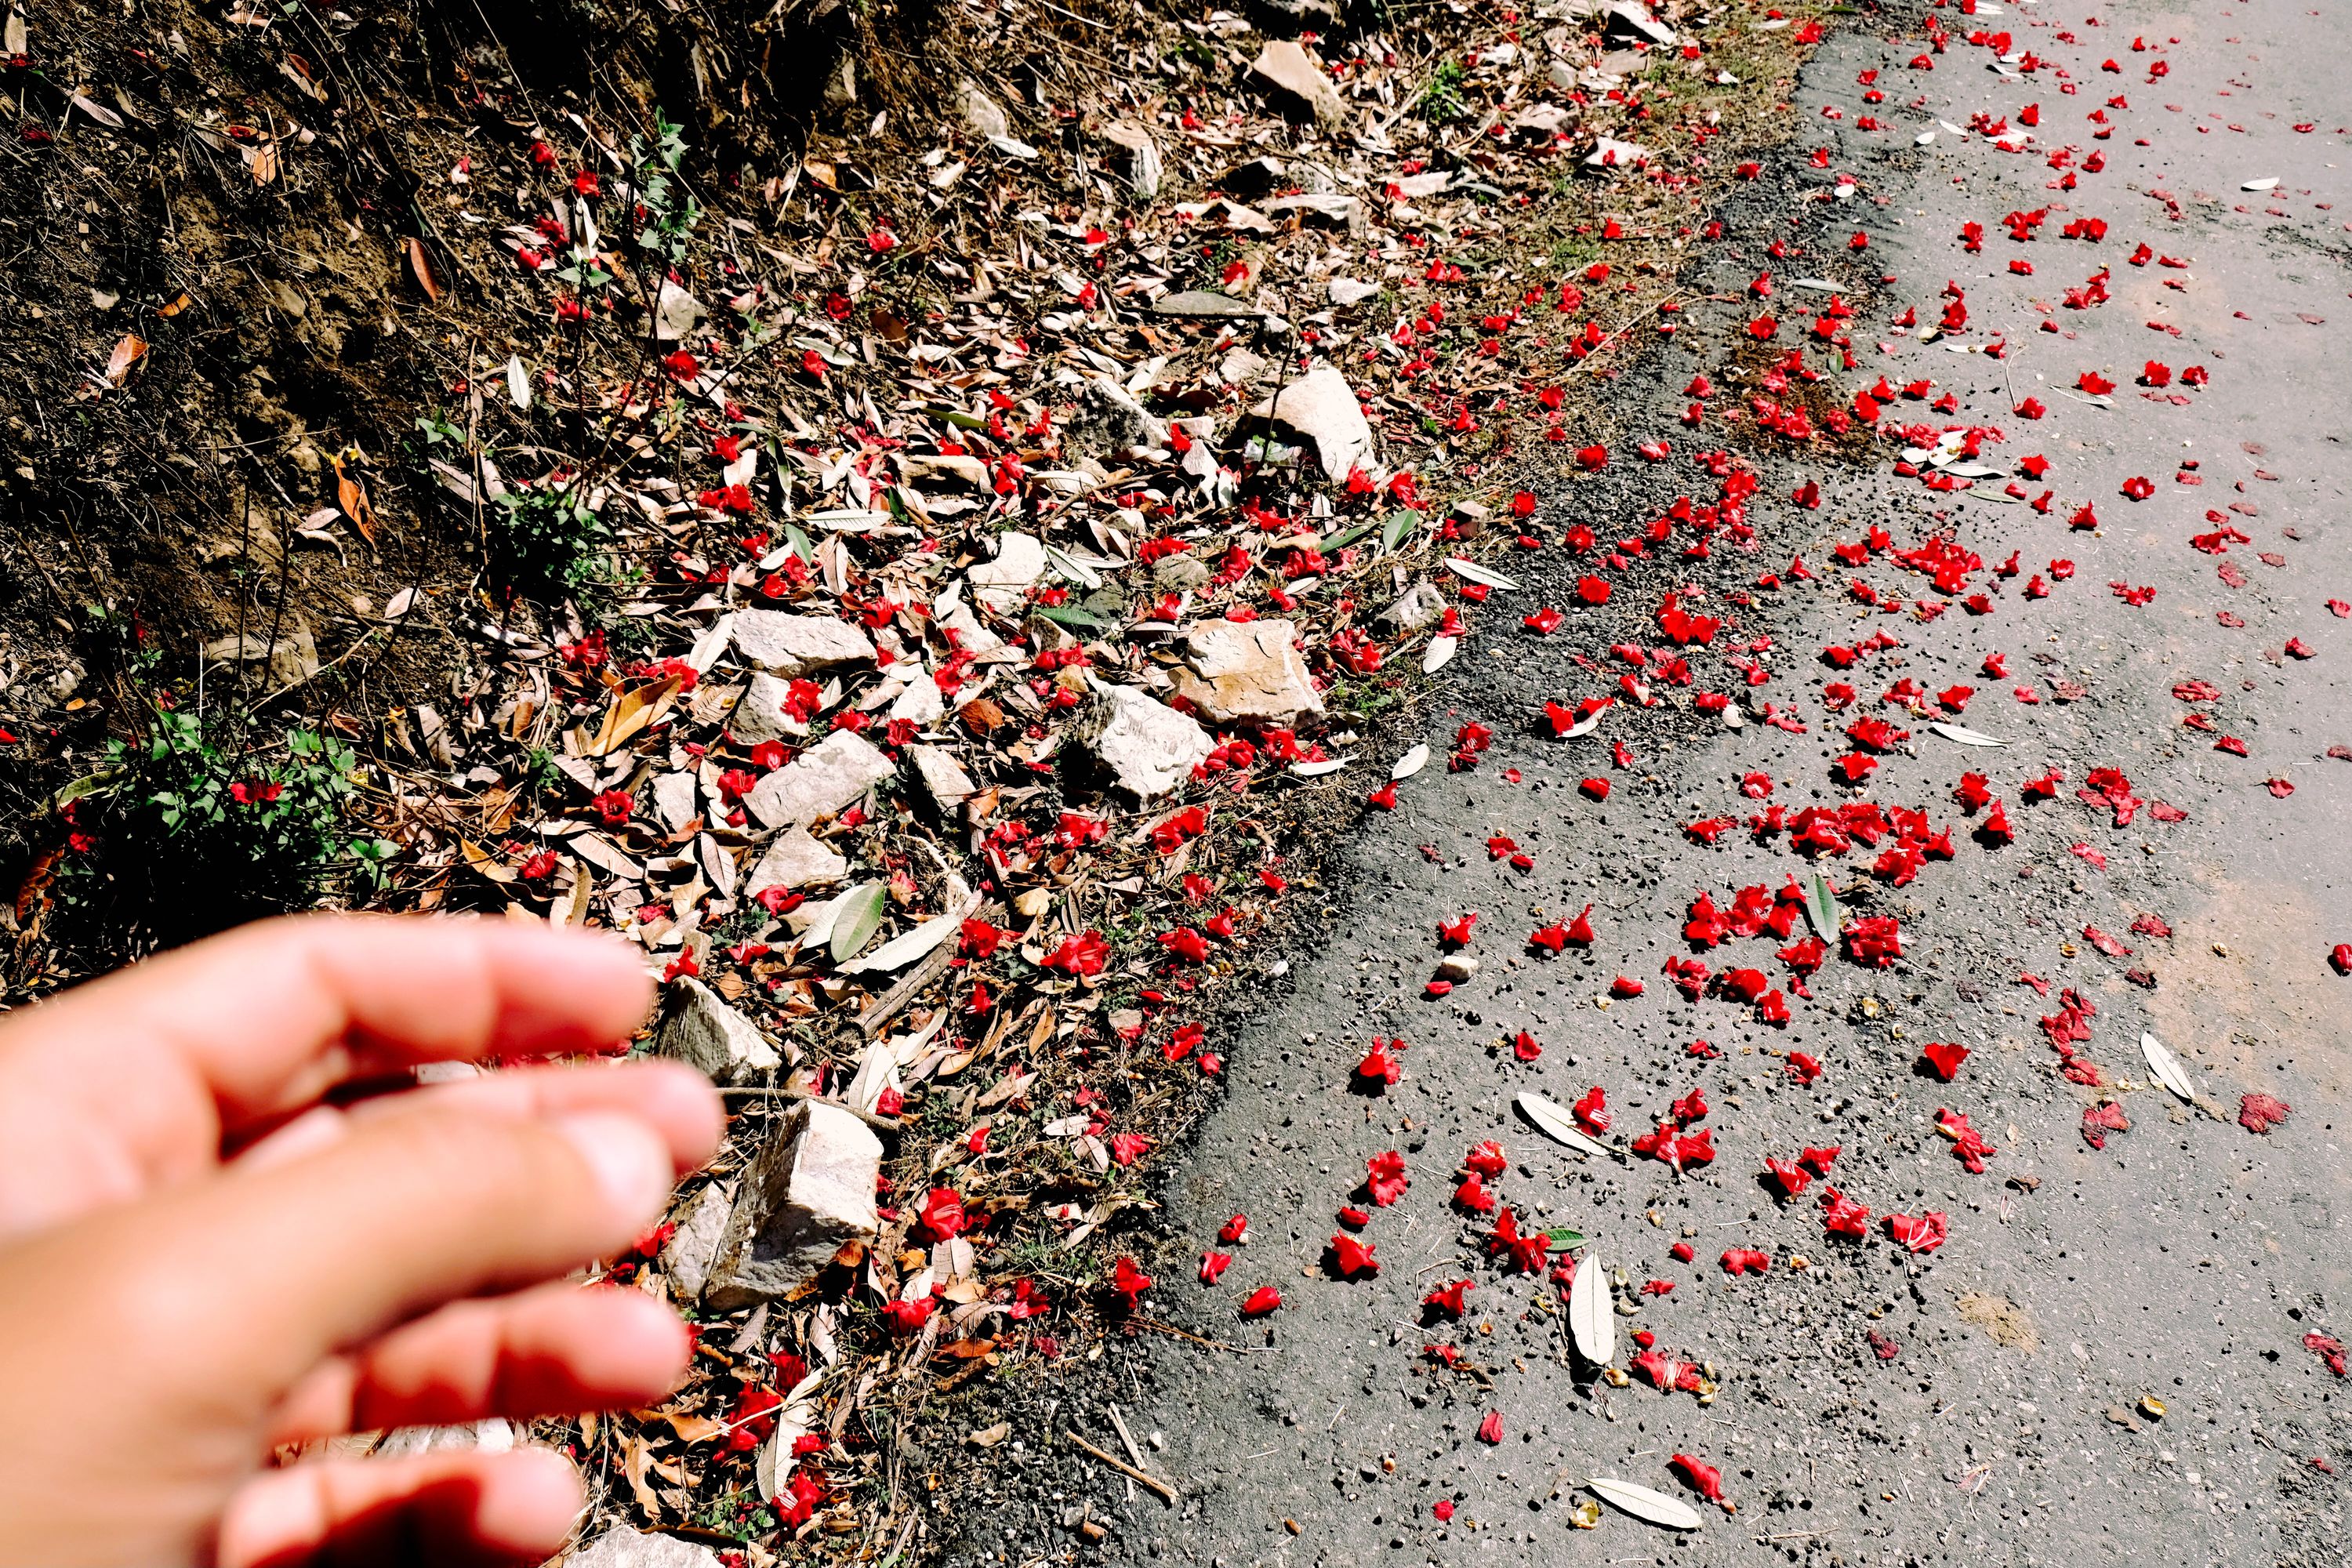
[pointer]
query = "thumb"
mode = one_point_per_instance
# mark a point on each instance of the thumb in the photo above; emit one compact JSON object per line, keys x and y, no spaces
{"x":270,"y":1270}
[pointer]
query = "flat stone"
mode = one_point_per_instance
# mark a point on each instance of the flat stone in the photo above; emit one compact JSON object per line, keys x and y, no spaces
{"x":808,"y":1194}
{"x":706,"y":1033}
{"x":942,"y":775}
{"x":794,"y":860}
{"x":627,"y":1548}
{"x":1202,"y":304}
{"x":981,"y":113}
{"x":1287,"y":65}
{"x":691,"y":1246}
{"x":1149,"y":747}
{"x":1416,"y":607}
{"x":676,"y":313}
{"x":676,"y":799}
{"x":917,"y":467}
{"x":1322,"y":407}
{"x":1246,"y":672}
{"x":922,"y":702}
{"x":825,"y":779}
{"x":792,"y":646}
{"x":998,"y":585}
{"x":1632,"y":21}
{"x":1347,"y":291}
{"x":1109,"y":420}
{"x":758,"y":713}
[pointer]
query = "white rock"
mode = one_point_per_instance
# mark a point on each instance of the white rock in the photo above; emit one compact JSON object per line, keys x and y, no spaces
{"x":1149,"y":747}
{"x":999,"y":583}
{"x":676,"y":799}
{"x":981,"y":112}
{"x":1323,"y":407}
{"x":626,"y":1548}
{"x":691,"y":1246}
{"x":676,"y":311}
{"x":758,"y":713}
{"x":1246,"y":671}
{"x":942,"y":775}
{"x":1347,"y":291}
{"x":920,"y":703}
{"x":792,"y":646}
{"x":1416,"y":607}
{"x":705,"y":1032}
{"x":808,"y":1194}
{"x":824,"y":779}
{"x":1289,"y":66}
{"x":1608,"y":153}
{"x":795,"y":861}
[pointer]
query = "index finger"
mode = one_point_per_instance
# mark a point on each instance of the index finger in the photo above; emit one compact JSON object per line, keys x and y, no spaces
{"x":135,"y":1079}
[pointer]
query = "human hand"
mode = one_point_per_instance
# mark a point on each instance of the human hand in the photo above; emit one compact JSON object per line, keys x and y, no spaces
{"x":200,"y":1260}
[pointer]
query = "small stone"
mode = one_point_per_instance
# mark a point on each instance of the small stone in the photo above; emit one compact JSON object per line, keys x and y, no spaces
{"x":758,"y":713}
{"x":676,"y":799}
{"x":1247,"y":672}
{"x":920,"y":703}
{"x":1108,"y":420}
{"x":1322,"y":407}
{"x":676,"y":313}
{"x":1202,"y":304}
{"x":706,"y":1033}
{"x":998,"y":585}
{"x":691,"y":1246}
{"x":942,"y":775}
{"x":795,"y":861}
{"x":1416,"y":607}
{"x":1345,"y":291}
{"x":808,"y":1194}
{"x":822,"y":781}
{"x":1287,"y":65}
{"x":791,"y":646}
{"x":981,"y":113}
{"x":1149,"y":747}
{"x":633,"y":1548}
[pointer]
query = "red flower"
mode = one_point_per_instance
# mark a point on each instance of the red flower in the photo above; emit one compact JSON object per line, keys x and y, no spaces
{"x":1186,"y":944}
{"x":1874,"y":939}
{"x":1597,"y":788}
{"x":1592,"y":1111}
{"x":908,"y":1317}
{"x":617,"y":806}
{"x":1740,"y":1260}
{"x":1353,"y":1258}
{"x":2138,"y":487}
{"x":1235,"y":1231}
{"x":1447,"y":1299}
{"x":1623,"y":987}
{"x":1945,"y":1059}
{"x":1924,"y":1233}
{"x":1385,"y":1178}
{"x":1490,"y":1430}
{"x":1129,"y":1281}
{"x":1705,"y":1478}
{"x":1545,"y":621}
{"x":943,"y":1214}
{"x":1379,"y":1065}
{"x":1841,"y":1216}
{"x":1262,"y":1300}
{"x":2261,"y":1112}
{"x":1213,"y":1266}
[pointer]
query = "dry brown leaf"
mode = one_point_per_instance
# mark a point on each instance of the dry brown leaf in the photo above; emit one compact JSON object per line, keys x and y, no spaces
{"x":635,"y":1463}
{"x":127,"y":354}
{"x":420,"y":262}
{"x":353,"y":497}
{"x":693,"y":1429}
{"x":487,"y":864}
{"x":263,"y":162}
{"x":636,"y":708}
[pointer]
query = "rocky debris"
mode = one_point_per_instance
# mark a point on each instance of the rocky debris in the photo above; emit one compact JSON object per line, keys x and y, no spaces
{"x":825,"y":779}
{"x":676,"y":313}
{"x":291,"y":657}
{"x":1202,"y":304}
{"x":1144,"y":167}
{"x":1247,"y":672}
{"x":687,"y":1254}
{"x":1289,"y":66}
{"x":793,"y":860}
{"x":626,"y":1548}
{"x":1322,"y":407}
{"x":1147,"y":746}
{"x":790,"y":646}
{"x":808,"y":1194}
{"x":706,"y":1033}
{"x":759,"y":713}
{"x":1110,"y":421}
{"x":981,"y":113}
{"x":1345,"y":291}
{"x":676,"y":799}
{"x":942,"y":776}
{"x":1419,"y":606}
{"x":998,"y":584}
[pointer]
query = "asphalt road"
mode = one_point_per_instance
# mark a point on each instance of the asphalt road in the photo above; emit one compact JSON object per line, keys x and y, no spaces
{"x":2003,"y":1414}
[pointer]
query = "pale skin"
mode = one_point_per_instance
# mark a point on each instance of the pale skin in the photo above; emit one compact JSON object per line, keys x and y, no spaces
{"x":201,"y":1260}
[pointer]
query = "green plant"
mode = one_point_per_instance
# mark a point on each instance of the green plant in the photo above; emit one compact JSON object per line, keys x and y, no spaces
{"x":188,"y":829}
{"x":1440,"y":96}
{"x":671,"y":215}
{"x":546,"y":540}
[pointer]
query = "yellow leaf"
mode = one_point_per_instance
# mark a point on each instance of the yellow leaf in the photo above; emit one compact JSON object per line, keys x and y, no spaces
{"x":421,"y":264}
{"x":638,"y":708}
{"x":353,"y":497}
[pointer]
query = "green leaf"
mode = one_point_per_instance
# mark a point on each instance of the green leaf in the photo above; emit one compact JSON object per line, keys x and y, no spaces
{"x":1821,"y":906}
{"x":1394,"y":528}
{"x":1347,"y":536}
{"x":1073,"y":615}
{"x":859,"y":918}
{"x":799,"y":542}
{"x":959,"y":418}
{"x":1562,"y":1237}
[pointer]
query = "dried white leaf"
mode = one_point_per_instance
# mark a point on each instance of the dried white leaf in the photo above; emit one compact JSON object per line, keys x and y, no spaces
{"x":1438,"y":654}
{"x":1966,"y":736}
{"x":1317,"y":770}
{"x":1592,"y":1313}
{"x":2167,"y":1068}
{"x":1411,"y":762}
{"x":1554,"y":1123}
{"x":1642,"y":1503}
{"x":1475,"y":573}
{"x":2267,"y":184}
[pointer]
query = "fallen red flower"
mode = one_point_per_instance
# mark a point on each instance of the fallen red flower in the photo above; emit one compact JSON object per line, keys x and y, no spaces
{"x":2261,"y":1112}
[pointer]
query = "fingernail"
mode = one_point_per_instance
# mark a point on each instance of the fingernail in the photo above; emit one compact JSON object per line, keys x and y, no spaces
{"x":629,"y":1160}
